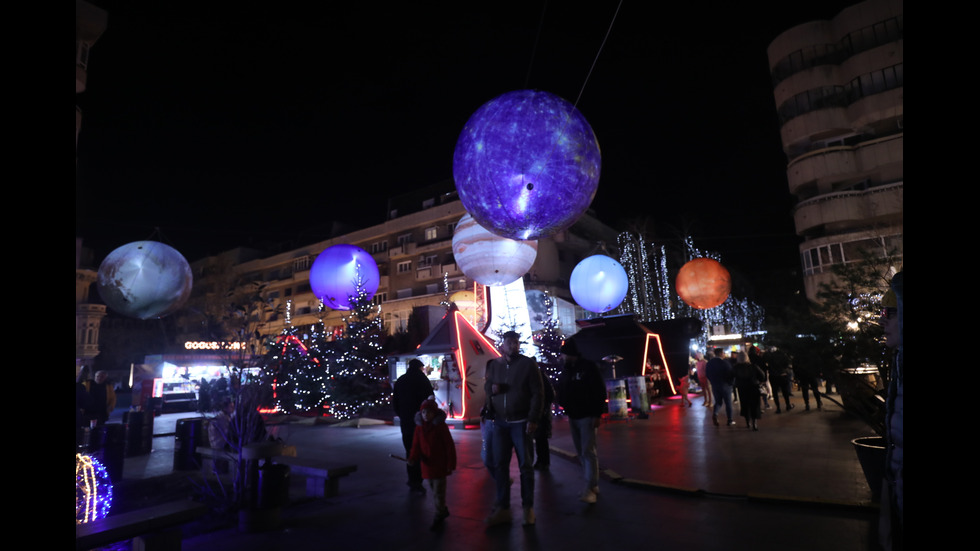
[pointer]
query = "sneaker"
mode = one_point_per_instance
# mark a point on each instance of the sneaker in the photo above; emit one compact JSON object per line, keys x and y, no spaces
{"x":528,"y":516}
{"x":595,"y":490}
{"x":498,"y":516}
{"x":731,"y":423}
{"x":587,"y":497}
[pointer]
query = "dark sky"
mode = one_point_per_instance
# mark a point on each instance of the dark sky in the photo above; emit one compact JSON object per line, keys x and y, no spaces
{"x":227,"y":124}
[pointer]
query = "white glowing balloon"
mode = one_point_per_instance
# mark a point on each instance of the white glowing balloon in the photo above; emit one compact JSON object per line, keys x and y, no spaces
{"x":490,"y":259}
{"x":599,"y":283}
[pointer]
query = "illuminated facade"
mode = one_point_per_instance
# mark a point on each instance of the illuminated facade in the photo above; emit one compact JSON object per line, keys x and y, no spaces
{"x":413,"y":250}
{"x":839,"y":91}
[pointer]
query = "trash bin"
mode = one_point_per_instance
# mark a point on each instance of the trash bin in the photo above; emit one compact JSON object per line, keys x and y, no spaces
{"x":273,"y":485}
{"x":107,"y":444}
{"x":139,"y":432}
{"x":188,"y":434}
{"x":616,"y":392}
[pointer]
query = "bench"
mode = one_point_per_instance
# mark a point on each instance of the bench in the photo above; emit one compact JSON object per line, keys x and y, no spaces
{"x":151,"y":529}
{"x":322,"y":480}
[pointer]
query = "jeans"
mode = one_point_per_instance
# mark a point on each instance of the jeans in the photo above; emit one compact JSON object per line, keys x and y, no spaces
{"x":486,"y":451}
{"x":723,"y":395}
{"x":584,"y":436}
{"x":506,"y":437}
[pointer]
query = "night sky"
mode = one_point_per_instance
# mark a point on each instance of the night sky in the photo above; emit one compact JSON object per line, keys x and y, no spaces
{"x":219,"y":125}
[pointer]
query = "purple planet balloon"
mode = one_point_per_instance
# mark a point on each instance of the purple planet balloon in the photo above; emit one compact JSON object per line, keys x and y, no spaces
{"x":334,"y":275}
{"x":526,"y":165}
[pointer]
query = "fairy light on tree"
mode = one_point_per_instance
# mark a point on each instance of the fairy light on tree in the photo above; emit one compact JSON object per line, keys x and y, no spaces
{"x":357,"y":369}
{"x":549,"y":340}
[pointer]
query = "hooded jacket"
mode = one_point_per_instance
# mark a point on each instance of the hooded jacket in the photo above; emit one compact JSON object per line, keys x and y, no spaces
{"x":433,"y":446}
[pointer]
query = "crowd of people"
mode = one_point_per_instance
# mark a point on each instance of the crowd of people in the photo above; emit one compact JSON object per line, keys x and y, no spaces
{"x":516,"y":420}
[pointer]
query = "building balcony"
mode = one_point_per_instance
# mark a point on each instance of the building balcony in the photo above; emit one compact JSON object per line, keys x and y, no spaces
{"x":818,"y":125}
{"x":850,"y":209}
{"x":404,"y":249}
{"x":823,"y":168}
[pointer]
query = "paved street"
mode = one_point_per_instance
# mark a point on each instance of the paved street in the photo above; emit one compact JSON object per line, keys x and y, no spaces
{"x":673,"y":481}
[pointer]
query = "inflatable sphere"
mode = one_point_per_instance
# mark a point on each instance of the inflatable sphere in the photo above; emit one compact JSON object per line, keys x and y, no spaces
{"x":145,"y":280}
{"x":599,"y":283}
{"x":703,"y":283}
{"x":334,"y":275}
{"x":488,"y":258}
{"x":526,"y":165}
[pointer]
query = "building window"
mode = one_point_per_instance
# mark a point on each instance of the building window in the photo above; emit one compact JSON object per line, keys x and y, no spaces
{"x":379,"y":247}
{"x":379,"y":299}
{"x":405,"y":266}
{"x":431,"y":233}
{"x":451,"y":228}
{"x":404,"y":238}
{"x":301,"y":264}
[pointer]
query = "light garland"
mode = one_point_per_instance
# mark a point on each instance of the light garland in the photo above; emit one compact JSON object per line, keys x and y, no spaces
{"x":93,"y":489}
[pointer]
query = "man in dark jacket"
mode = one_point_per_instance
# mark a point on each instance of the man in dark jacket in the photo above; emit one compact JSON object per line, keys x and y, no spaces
{"x":514,"y":390}
{"x":582,"y":394}
{"x":411,"y":389}
{"x":721,"y":377}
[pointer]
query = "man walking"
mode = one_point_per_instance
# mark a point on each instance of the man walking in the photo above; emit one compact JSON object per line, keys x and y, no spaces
{"x":582,"y":394}
{"x":411,"y":389}
{"x":720,"y":376}
{"x":514,"y":390}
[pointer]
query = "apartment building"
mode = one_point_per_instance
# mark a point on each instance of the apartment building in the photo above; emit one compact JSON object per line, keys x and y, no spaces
{"x":413,"y":250}
{"x":839,"y":91}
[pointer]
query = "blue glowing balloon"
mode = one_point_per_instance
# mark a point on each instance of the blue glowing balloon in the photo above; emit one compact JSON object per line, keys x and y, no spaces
{"x":526,"y":165}
{"x":335,"y":273}
{"x":145,"y":280}
{"x":599,"y":283}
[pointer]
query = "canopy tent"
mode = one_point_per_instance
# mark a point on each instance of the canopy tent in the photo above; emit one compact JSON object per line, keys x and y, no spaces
{"x":462,"y":393}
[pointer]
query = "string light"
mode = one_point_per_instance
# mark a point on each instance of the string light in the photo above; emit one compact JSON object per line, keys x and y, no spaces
{"x":93,"y":489}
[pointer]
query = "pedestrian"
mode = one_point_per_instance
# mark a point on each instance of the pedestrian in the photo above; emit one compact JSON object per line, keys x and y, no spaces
{"x":757,"y":357}
{"x":683,"y":388}
{"x":542,"y":449}
{"x":780,"y":376}
{"x":101,"y":398}
{"x":514,"y":387}
{"x":434,"y":452}
{"x":748,"y":377}
{"x":582,"y":394}
{"x":720,"y":375}
{"x":410,"y":390}
{"x":807,"y":374}
{"x":702,"y":372}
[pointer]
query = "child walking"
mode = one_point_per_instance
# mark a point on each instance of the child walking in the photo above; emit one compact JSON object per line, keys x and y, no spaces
{"x":433,"y":446}
{"x":684,"y":388}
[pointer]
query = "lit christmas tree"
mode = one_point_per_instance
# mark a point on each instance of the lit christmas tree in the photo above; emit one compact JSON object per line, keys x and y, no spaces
{"x":357,"y":369}
{"x":549,"y":341}
{"x":296,"y":377}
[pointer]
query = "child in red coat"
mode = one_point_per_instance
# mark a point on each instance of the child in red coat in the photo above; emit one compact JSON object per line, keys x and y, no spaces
{"x":434,"y":447}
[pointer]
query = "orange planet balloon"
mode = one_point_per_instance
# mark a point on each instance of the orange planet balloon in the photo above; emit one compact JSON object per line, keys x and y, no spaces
{"x":704,"y":283}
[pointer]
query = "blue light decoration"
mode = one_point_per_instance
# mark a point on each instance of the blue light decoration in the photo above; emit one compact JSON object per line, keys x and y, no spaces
{"x":488,"y":258}
{"x":145,"y":280}
{"x":599,"y":283}
{"x":335,"y":273}
{"x":93,"y":489}
{"x":526,"y":165}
